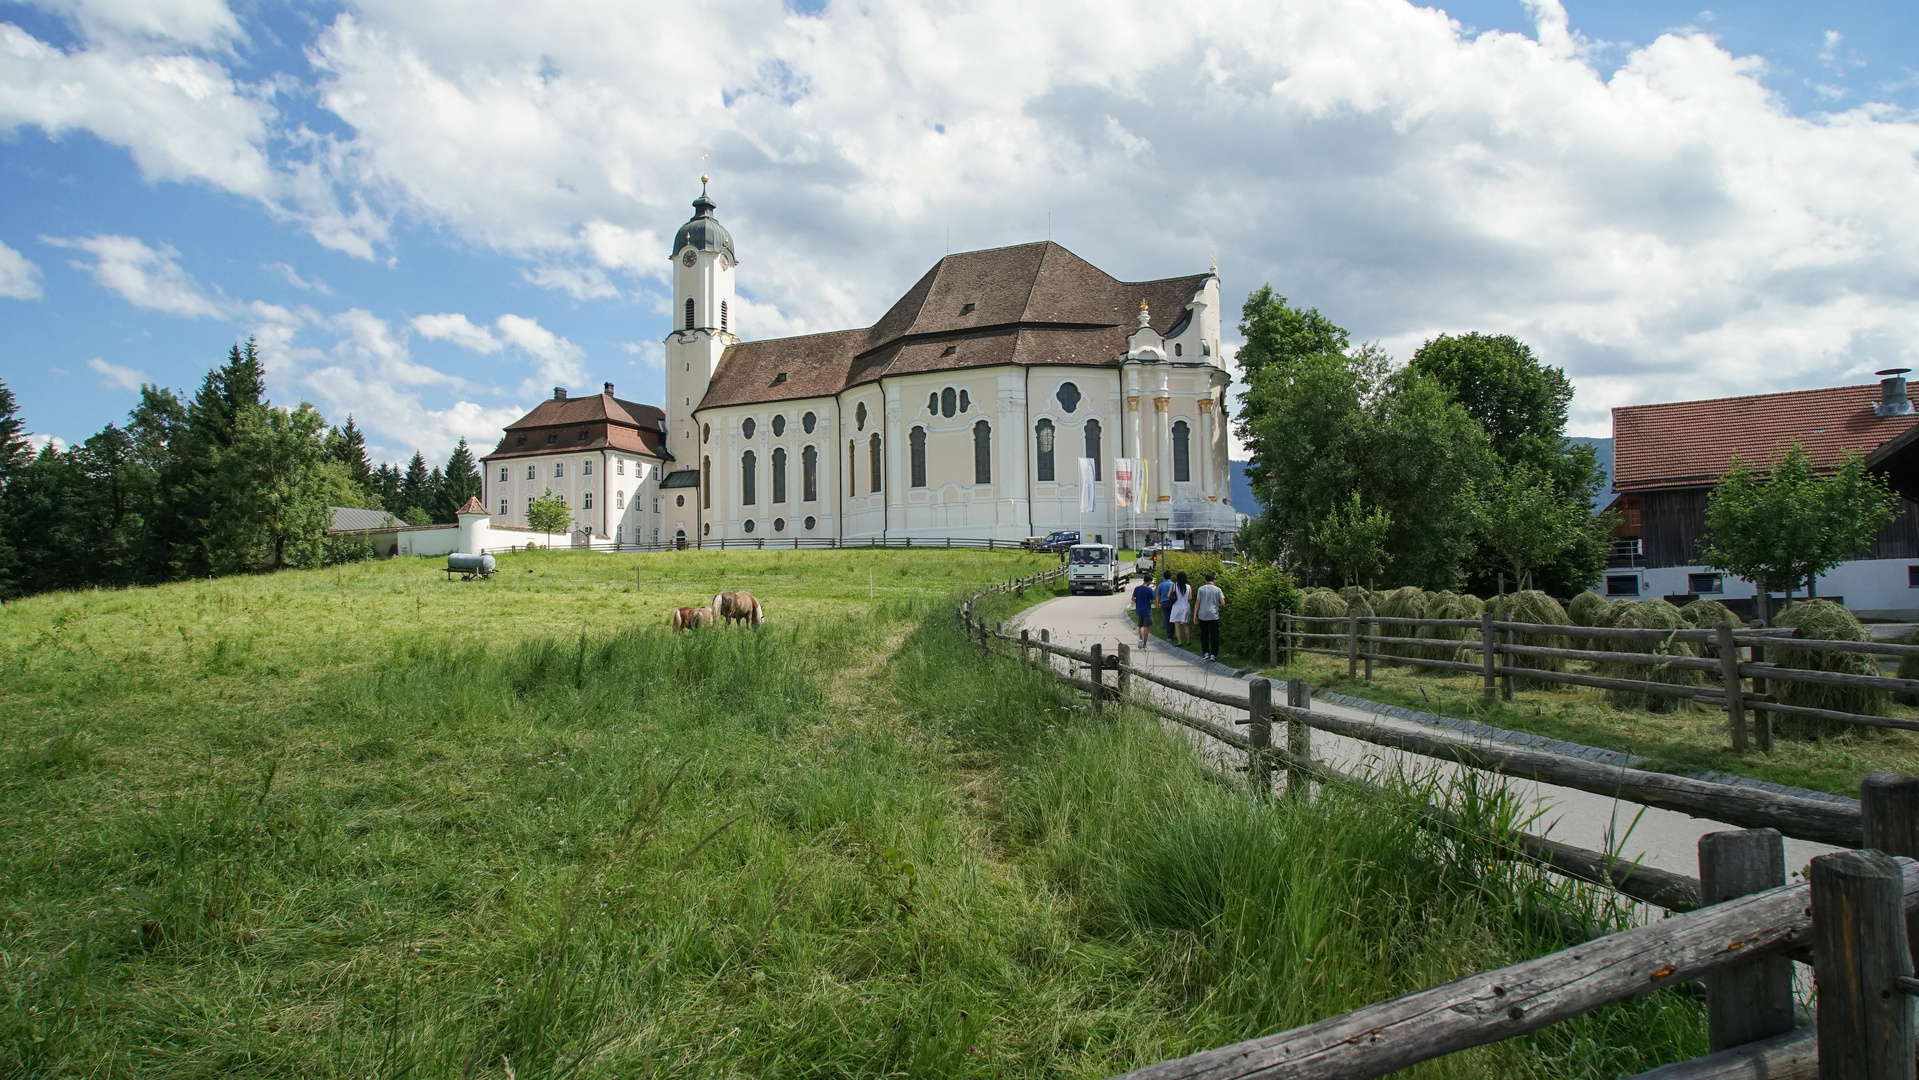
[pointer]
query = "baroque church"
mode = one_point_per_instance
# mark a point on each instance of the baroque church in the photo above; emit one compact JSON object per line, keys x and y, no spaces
{"x":965,"y":411}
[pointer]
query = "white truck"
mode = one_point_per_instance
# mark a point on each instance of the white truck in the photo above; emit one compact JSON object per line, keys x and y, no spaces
{"x":1093,"y":568}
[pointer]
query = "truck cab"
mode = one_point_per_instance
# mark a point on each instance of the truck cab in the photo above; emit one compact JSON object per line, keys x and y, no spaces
{"x":1093,"y":568}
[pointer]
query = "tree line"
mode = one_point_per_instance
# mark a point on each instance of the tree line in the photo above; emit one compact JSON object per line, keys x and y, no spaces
{"x":221,"y":482}
{"x":1445,"y":472}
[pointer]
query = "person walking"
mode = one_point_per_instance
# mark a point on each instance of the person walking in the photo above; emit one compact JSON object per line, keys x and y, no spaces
{"x":1206,"y":609}
{"x":1182,"y":615}
{"x":1143,"y":609}
{"x":1165,"y":593}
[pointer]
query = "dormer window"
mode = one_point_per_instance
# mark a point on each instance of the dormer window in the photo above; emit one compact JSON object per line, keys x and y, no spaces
{"x":521,"y":442}
{"x":968,"y":308}
{"x":583,"y":435}
{"x":951,"y":350}
{"x":552,"y":437}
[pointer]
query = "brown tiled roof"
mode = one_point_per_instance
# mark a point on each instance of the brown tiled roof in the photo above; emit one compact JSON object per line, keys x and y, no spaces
{"x":471,"y":506}
{"x":630,"y":426}
{"x":1690,"y":443}
{"x":1032,"y":304}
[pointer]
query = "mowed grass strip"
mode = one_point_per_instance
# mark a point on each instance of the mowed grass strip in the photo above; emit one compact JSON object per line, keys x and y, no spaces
{"x":428,"y":840}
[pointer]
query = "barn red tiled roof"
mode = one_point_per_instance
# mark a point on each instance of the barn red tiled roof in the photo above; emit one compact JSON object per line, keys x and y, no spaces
{"x":630,"y":426}
{"x":1027,"y":304}
{"x":1690,"y":443}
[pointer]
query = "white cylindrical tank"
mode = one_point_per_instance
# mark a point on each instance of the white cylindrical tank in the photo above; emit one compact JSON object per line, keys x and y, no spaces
{"x":474,"y":564}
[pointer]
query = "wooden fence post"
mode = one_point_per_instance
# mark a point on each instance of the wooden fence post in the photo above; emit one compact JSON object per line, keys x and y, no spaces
{"x":1761,"y":719}
{"x":1099,"y":675}
{"x":1291,"y":655}
{"x":1372,"y":631}
{"x":1486,"y":651}
{"x":1026,"y":646}
{"x":1505,"y":679}
{"x":1299,"y":737}
{"x":1272,"y":638}
{"x":1125,"y":678}
{"x":1352,"y":640}
{"x":985,"y":647}
{"x":1729,"y":673}
{"x":1859,"y":954}
{"x":1259,"y":732}
{"x":1754,"y":1000}
{"x":1889,"y":818}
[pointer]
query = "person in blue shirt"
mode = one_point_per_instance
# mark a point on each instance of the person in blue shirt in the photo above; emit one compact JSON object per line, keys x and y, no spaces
{"x":1143,"y":609}
{"x":1165,"y":594}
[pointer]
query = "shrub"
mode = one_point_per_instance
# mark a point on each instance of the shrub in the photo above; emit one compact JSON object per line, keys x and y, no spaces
{"x":1588,"y":609}
{"x":1822,"y":619}
{"x":1252,"y":592}
{"x":348,"y":548}
{"x":1649,"y":615}
{"x":1533,"y":606}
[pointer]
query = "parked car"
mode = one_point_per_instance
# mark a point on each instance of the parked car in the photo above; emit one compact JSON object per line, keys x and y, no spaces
{"x":1055,"y":541}
{"x":1093,"y":568}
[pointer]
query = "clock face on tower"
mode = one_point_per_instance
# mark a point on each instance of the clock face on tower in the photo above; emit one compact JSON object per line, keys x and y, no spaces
{"x":690,"y":257}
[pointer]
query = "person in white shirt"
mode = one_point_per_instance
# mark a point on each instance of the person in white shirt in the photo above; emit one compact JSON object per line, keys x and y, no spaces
{"x":1210,"y":599}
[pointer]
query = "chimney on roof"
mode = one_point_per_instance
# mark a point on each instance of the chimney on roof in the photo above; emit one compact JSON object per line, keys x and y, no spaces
{"x":609,"y":389}
{"x":1892,"y":393}
{"x":559,"y":393}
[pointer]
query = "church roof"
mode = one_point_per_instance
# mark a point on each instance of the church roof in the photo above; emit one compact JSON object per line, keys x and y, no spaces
{"x":630,"y":426}
{"x":1027,"y":304}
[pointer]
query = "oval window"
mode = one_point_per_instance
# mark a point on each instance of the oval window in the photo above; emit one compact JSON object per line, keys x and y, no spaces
{"x":706,"y":432}
{"x":949,"y":402}
{"x":747,"y":427}
{"x":933,"y":403}
{"x":807,"y":422}
{"x":812,"y":523}
{"x":706,"y":529}
{"x":779,"y":524}
{"x":1068,"y":396}
{"x":966,"y":401}
{"x":679,"y":500}
{"x":779,"y":426}
{"x":749,"y":524}
{"x":859,"y":417}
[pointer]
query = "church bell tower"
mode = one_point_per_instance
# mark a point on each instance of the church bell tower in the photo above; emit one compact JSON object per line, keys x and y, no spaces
{"x":703,"y":264}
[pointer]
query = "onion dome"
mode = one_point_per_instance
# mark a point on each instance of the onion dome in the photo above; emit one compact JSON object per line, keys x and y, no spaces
{"x":704,"y":231}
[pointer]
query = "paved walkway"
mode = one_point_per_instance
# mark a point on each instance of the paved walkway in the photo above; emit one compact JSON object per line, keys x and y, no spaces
{"x":1664,"y":839}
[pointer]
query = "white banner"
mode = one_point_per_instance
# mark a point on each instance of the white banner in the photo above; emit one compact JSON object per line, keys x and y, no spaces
{"x":1123,"y":481}
{"x":1087,"y":504}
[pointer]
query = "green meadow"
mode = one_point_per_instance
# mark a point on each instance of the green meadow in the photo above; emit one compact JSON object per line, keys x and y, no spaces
{"x":368,"y":822}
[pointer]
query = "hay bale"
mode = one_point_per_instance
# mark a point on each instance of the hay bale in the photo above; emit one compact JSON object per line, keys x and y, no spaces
{"x":1587,"y":609}
{"x":1321,"y":603}
{"x":1822,"y":619}
{"x":1650,"y":615}
{"x":1615,"y":608}
{"x":1704,"y":614}
{"x":1533,"y":606}
{"x":1406,"y":603}
{"x":1908,"y":669}
{"x":1449,"y":605}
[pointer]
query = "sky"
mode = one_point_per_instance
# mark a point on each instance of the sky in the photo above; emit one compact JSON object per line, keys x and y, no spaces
{"x":431,"y":213}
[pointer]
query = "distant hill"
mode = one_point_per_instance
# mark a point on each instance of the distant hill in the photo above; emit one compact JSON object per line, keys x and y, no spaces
{"x":1242,"y":491}
{"x":1602,"y":447}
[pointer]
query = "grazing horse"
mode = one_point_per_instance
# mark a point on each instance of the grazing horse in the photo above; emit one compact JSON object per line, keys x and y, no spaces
{"x":688,"y":618}
{"x":738,"y":607}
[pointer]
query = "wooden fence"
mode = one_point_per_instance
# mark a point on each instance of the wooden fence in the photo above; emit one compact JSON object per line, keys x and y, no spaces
{"x":1739,"y":675}
{"x":1738,"y":927}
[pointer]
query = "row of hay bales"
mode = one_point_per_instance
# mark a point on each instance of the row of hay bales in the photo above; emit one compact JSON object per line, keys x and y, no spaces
{"x":1819,"y":619}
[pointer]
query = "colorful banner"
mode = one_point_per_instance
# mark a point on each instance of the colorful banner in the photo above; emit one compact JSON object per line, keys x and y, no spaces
{"x":1087,"y":468}
{"x":1123,"y":481}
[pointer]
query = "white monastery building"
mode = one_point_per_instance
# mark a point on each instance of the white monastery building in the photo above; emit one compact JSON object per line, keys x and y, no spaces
{"x":963,"y":412}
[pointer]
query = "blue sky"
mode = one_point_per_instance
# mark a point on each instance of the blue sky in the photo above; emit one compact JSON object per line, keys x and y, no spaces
{"x":430,"y":213}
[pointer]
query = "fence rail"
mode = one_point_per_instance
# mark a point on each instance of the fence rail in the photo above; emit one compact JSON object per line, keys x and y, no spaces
{"x":1739,"y":925}
{"x":1734,"y":681}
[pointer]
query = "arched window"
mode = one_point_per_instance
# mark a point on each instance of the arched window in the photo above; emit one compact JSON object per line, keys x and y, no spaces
{"x":810,"y":473}
{"x":933,"y":402}
{"x":1178,"y":349}
{"x":722,"y":316}
{"x":1068,"y":396}
{"x":689,"y":313}
{"x":1182,"y":452}
{"x":982,"y":453}
{"x":966,"y":401}
{"x":873,"y":448}
{"x":949,"y":401}
{"x":749,"y":481}
{"x":852,"y":464}
{"x":1043,"y":463}
{"x":859,"y":417}
{"x":779,"y":474}
{"x":706,"y":483}
{"x":1092,"y":446}
{"x":918,"y":441}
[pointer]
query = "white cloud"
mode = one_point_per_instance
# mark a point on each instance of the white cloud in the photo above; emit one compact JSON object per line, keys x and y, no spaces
{"x":581,"y":283}
{"x":114,"y":376}
{"x":144,"y":276}
{"x":191,"y":22}
{"x":455,"y":327}
{"x":559,"y":360}
{"x":19,"y":277}
{"x":39,"y":441}
{"x":292,"y":277}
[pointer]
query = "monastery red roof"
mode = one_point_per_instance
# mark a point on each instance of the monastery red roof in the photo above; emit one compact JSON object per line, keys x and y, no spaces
{"x":1691,"y":443}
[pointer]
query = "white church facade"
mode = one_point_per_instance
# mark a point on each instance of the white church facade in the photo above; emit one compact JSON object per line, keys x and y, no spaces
{"x":963,"y":412}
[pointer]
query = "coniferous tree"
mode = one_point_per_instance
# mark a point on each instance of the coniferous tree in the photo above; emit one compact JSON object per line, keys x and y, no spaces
{"x":157,"y":430}
{"x":460,"y":482}
{"x":416,"y":491}
{"x":386,"y":485}
{"x":192,"y":500}
{"x":346,"y":445}
{"x":13,"y":454}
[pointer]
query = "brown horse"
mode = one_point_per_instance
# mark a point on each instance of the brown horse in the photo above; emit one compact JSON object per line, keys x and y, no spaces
{"x":738,"y":607}
{"x":689,"y":618}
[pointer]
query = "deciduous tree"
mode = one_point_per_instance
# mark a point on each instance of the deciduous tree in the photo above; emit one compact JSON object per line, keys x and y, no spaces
{"x":1354,"y":537}
{"x":549,"y":514}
